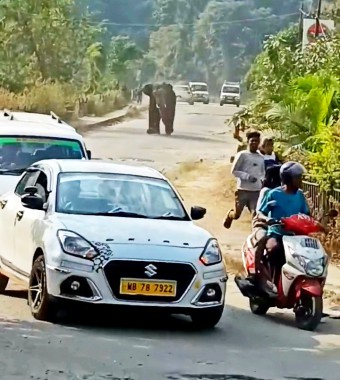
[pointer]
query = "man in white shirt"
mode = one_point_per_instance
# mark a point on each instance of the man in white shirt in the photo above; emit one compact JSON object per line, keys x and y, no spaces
{"x":249,"y":169}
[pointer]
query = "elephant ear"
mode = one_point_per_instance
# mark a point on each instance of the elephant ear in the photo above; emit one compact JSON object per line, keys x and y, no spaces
{"x":148,"y":89}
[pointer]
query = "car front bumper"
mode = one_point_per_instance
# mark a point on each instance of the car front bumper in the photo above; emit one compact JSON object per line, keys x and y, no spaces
{"x":230,"y":100}
{"x":102,"y":286}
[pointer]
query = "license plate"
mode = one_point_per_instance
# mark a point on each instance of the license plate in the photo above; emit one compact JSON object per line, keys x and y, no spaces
{"x":132,"y":286}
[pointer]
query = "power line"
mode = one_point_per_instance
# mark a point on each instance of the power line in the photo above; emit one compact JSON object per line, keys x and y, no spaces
{"x":241,"y":21}
{"x":193,"y":24}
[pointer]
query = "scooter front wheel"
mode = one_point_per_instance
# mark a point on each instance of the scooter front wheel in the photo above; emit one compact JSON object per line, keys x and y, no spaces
{"x":258,"y":305}
{"x":308,"y":312}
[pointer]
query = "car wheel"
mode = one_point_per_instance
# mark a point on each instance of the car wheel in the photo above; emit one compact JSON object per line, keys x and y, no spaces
{"x":3,"y":282}
{"x":205,"y":102}
{"x":221,"y":104}
{"x":207,"y":318}
{"x":42,"y":306}
{"x":238,"y":105}
{"x":191,"y":103}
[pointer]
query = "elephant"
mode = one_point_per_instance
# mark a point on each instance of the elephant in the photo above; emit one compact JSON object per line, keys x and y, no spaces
{"x":166,"y":102}
{"x":162,"y":106}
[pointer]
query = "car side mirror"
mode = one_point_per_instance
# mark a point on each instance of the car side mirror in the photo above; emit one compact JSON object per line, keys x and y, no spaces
{"x":197,"y":212}
{"x":89,"y":154}
{"x":31,"y":199}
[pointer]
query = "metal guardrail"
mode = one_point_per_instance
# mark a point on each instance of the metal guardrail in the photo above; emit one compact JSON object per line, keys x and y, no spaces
{"x":321,"y":200}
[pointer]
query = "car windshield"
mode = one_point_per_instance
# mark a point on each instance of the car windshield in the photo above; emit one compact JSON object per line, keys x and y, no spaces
{"x":230,"y":89}
{"x":181,"y":88}
{"x":17,"y":153}
{"x":199,"y":87}
{"x":117,"y":195}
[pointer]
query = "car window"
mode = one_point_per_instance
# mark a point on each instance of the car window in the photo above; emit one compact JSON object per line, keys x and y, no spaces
{"x":28,"y":179}
{"x":230,"y":89}
{"x":199,"y":87}
{"x":41,"y":185}
{"x":19,"y":152}
{"x":93,"y":193}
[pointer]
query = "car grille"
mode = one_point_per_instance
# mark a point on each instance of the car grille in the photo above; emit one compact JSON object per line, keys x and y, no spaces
{"x":117,"y":269}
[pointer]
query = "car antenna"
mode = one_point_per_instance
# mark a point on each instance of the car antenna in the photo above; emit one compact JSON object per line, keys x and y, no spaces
{"x":9,"y":114}
{"x":56,"y":117}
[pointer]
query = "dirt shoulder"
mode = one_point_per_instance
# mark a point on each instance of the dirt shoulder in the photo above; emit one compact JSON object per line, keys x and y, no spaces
{"x":209,"y":184}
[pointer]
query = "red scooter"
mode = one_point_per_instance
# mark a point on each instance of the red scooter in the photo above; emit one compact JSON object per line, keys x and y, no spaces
{"x":302,"y":278}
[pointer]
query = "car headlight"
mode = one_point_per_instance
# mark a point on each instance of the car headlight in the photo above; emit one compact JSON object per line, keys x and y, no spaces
{"x":211,"y":254}
{"x":75,"y":245}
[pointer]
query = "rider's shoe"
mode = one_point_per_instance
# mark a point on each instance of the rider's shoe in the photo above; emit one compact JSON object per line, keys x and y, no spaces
{"x":269,"y":288}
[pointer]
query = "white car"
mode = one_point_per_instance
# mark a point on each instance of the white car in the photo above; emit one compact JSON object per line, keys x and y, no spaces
{"x":200,"y":92}
{"x":104,"y":233}
{"x":26,"y":138}
{"x":184,"y":94}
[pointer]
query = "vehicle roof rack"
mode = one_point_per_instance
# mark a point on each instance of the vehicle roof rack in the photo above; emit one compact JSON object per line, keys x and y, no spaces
{"x":9,"y":114}
{"x":56,"y":117}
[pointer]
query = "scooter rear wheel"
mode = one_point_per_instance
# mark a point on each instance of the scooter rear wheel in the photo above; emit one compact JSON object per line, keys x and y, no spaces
{"x":308,"y":313}
{"x":258,"y":305}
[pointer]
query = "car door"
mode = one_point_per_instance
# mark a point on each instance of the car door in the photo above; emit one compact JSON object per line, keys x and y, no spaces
{"x":27,"y":227}
{"x":10,"y":203}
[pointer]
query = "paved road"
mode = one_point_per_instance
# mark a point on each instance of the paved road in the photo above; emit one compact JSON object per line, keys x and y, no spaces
{"x":242,"y":347}
{"x":200,"y":132}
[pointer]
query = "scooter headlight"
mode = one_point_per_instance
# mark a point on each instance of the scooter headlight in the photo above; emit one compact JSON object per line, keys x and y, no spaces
{"x":315,"y":268}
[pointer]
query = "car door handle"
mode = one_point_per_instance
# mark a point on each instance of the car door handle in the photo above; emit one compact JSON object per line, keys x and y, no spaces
{"x":20,"y":214}
{"x":3,"y":203}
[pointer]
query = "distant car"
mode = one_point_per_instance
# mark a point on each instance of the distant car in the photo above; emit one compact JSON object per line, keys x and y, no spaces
{"x":184,"y":94}
{"x":104,"y":233}
{"x":200,"y":92}
{"x":26,"y":138}
{"x":230,"y":93}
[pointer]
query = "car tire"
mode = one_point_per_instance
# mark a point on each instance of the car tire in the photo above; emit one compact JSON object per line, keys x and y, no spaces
{"x":238,"y":105}
{"x":205,"y":102}
{"x":207,"y":318}
{"x":3,"y":282}
{"x":42,"y":306}
{"x":221,"y":104}
{"x":191,"y":103}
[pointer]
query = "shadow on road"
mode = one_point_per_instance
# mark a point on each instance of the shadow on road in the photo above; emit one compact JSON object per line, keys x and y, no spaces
{"x":23,"y":294}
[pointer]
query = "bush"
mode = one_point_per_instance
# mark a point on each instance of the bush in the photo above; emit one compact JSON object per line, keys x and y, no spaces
{"x":61,"y":99}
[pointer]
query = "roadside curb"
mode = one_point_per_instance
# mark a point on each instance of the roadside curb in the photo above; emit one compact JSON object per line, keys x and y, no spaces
{"x":87,"y":123}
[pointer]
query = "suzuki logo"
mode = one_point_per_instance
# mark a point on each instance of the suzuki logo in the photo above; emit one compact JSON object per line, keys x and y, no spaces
{"x":150,"y":270}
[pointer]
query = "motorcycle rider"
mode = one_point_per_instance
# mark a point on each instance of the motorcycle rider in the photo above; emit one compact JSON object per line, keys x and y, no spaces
{"x":267,"y":150}
{"x":278,"y":203}
{"x":271,"y":181}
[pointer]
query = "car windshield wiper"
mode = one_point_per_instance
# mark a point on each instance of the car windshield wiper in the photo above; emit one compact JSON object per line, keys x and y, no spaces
{"x":121,"y":214}
{"x":12,"y":171}
{"x":170,"y":217}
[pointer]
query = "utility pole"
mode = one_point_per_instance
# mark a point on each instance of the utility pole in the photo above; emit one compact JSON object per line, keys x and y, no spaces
{"x":317,"y":23}
{"x":301,"y":22}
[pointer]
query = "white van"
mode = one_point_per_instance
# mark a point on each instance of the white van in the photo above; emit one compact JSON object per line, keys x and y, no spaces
{"x":26,"y":138}
{"x":230,"y":93}
{"x":200,"y":92}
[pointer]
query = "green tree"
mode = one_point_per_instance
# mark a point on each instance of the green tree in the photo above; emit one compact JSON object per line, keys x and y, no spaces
{"x":44,"y":40}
